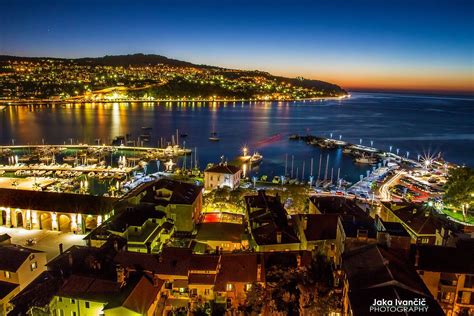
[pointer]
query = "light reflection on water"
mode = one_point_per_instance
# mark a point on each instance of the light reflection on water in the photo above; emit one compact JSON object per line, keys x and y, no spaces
{"x":412,"y":123}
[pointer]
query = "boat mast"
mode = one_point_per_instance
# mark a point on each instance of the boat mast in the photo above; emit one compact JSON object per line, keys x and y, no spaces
{"x":292,"y":162}
{"x":326,"y":172}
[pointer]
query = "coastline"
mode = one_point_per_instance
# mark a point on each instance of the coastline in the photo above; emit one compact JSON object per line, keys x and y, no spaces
{"x":83,"y":101}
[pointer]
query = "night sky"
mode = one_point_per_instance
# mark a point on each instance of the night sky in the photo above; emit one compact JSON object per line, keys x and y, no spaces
{"x":398,"y":45}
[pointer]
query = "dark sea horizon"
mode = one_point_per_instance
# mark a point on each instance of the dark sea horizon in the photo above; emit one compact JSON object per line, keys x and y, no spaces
{"x":420,"y":124}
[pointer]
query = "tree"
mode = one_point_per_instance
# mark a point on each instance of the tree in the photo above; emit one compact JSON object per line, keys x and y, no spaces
{"x":256,"y":299}
{"x":459,"y":189}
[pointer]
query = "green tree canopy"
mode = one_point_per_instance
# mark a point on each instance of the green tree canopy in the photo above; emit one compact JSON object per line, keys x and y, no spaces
{"x":459,"y":189}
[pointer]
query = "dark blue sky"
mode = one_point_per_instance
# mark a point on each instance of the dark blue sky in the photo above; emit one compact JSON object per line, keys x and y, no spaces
{"x":425,"y":45}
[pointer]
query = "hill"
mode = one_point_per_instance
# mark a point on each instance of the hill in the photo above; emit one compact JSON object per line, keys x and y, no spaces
{"x":148,"y":76}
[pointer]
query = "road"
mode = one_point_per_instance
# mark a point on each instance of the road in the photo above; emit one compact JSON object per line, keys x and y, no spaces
{"x":384,"y":190}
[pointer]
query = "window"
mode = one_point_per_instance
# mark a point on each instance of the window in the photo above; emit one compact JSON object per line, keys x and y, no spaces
{"x":60,"y":299}
{"x":206,"y":292}
{"x":465,"y":297}
{"x":34,"y":266}
{"x":229,"y":287}
{"x":87,"y":304}
{"x":425,"y":240}
{"x":73,"y":301}
{"x":469,"y":281}
{"x":73,"y":314}
{"x":60,"y":312}
{"x":181,"y":290}
{"x":7,"y":274}
{"x":32,"y":257}
{"x":248,"y":286}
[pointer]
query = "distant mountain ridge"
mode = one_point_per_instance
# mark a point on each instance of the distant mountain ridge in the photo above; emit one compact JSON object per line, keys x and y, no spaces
{"x":140,"y":59}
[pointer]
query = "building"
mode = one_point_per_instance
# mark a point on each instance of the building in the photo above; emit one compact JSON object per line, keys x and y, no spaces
{"x":356,"y":232}
{"x":269,"y":224}
{"x":64,"y":212}
{"x":222,"y":176}
{"x":448,"y":272}
{"x":223,"y":278}
{"x":180,"y":201}
{"x":144,"y":228}
{"x":321,"y":233}
{"x":223,"y":236}
{"x":375,"y":273}
{"x":131,"y":294}
{"x":236,"y":275}
{"x":335,"y":205}
{"x":418,"y":221}
{"x":18,"y":267}
{"x":392,"y":234}
{"x":92,"y":262}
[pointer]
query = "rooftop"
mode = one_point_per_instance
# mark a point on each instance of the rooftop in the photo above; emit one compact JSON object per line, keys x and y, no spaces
{"x":373,"y":266}
{"x":134,"y":217}
{"x":181,"y":192}
{"x":320,"y":226}
{"x":220,"y":231}
{"x":59,"y":202}
{"x":204,"y":263}
{"x":13,"y":256}
{"x":415,"y":216}
{"x":6,"y":288}
{"x":38,"y":293}
{"x":395,"y":229}
{"x":89,"y":288}
{"x":269,"y":220}
{"x":201,"y":279}
{"x":223,"y":168}
{"x":442,"y":259}
{"x":137,"y":296}
{"x":337,"y":205}
{"x":242,"y":267}
{"x":354,"y":226}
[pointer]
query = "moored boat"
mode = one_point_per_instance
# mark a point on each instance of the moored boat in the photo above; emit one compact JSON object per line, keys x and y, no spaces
{"x":256,"y":158}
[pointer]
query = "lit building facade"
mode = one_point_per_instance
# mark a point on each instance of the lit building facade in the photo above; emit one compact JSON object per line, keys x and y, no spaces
{"x":65,"y":212}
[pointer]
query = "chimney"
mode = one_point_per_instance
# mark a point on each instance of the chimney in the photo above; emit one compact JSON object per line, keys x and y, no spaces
{"x":120,"y":275}
{"x":278,"y":237}
{"x":259,"y":268}
{"x":417,"y":258}
{"x":305,"y":222}
{"x":61,"y":249}
{"x":70,"y":259}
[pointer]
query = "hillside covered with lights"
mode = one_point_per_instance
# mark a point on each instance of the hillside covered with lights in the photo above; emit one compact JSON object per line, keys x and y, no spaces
{"x":147,"y":77}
